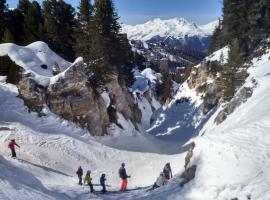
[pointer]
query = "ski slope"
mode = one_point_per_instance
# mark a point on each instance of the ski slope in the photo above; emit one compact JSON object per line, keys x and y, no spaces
{"x":232,"y":159}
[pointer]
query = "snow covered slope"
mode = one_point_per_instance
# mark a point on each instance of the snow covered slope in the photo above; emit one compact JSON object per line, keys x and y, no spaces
{"x":232,"y":159}
{"x":176,"y":28}
{"x":210,"y":27}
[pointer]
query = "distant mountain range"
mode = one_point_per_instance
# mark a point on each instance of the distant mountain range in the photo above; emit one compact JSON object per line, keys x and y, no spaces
{"x":173,"y":32}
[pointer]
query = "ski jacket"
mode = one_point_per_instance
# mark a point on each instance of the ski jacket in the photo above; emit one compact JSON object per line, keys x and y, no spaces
{"x":12,"y":145}
{"x":167,"y":171}
{"x":79,"y":171}
{"x":189,"y":154}
{"x":161,"y":180}
{"x":87,"y":179}
{"x":123,"y":173}
{"x":102,"y":180}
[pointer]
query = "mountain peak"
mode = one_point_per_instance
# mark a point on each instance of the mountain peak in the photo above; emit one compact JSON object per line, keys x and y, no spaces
{"x":178,"y":28}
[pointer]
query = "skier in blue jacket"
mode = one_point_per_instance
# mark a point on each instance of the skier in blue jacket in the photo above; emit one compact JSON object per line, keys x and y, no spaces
{"x":102,"y":183}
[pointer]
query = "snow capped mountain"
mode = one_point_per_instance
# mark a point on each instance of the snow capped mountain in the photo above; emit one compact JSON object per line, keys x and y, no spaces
{"x":209,"y":28}
{"x":172,"y":31}
{"x":176,"y":28}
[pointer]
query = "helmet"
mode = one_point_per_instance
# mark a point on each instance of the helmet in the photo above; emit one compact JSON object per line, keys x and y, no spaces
{"x":13,"y":140}
{"x":103,"y":175}
{"x":123,"y":164}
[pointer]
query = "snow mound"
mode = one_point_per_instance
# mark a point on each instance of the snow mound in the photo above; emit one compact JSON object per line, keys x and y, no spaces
{"x":33,"y":59}
{"x":220,"y":55}
{"x":33,"y":56}
{"x":144,"y":80}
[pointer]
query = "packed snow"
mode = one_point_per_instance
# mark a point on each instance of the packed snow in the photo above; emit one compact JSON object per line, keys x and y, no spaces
{"x":176,"y":28}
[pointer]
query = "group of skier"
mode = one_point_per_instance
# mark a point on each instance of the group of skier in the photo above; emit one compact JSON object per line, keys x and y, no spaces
{"x":163,"y":178}
{"x":88,"y":180}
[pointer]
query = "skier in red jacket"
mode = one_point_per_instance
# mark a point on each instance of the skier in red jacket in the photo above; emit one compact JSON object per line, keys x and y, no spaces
{"x":12,"y":145}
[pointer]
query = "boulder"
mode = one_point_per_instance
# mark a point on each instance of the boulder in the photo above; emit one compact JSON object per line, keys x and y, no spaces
{"x":188,"y":175}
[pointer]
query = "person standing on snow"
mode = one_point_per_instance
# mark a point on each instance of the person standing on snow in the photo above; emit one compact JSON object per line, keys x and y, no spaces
{"x":12,"y":145}
{"x":88,"y":181}
{"x":189,"y":154}
{"x":161,"y":180}
{"x":167,"y":171}
{"x":123,"y":175}
{"x":79,"y":172}
{"x":102,"y":183}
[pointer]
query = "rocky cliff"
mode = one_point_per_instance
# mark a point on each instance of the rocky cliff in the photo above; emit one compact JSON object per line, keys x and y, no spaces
{"x":74,"y":98}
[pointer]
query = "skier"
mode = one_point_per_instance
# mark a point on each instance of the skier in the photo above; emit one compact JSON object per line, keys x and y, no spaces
{"x":189,"y":154}
{"x":12,"y":145}
{"x":161,"y":180}
{"x":123,"y":175}
{"x":102,"y":183}
{"x":167,"y":171}
{"x":88,"y":181}
{"x":79,"y":172}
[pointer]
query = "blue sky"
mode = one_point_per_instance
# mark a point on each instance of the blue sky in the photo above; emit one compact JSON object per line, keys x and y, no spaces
{"x":139,"y":11}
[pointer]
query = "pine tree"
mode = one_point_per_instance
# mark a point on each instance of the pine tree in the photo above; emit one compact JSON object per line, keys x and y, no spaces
{"x":83,"y":31}
{"x":217,"y":41}
{"x":33,"y":23}
{"x":8,"y":37}
{"x":164,"y":87}
{"x":58,"y":27}
{"x":23,"y":6}
{"x":3,"y":8}
{"x":15,"y":21}
{"x":109,"y":47}
{"x":232,"y":75}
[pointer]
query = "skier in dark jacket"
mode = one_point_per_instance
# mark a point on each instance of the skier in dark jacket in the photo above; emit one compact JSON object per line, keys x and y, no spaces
{"x":102,"y":183}
{"x":79,"y":172}
{"x":123,"y":175}
{"x":167,"y":171}
{"x":12,"y":145}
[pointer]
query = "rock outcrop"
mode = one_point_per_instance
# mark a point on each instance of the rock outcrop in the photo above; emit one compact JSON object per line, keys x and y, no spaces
{"x":74,"y":98}
{"x":188,"y":175}
{"x":32,"y":93}
{"x":123,"y":100}
{"x":204,"y":78}
{"x":240,"y":98}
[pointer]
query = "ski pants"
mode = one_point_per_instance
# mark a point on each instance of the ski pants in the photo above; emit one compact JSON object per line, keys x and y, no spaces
{"x":124,"y":184}
{"x":187,"y":160}
{"x":13,"y":153}
{"x":103,"y":188}
{"x":91,"y":187}
{"x":80,"y":180}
